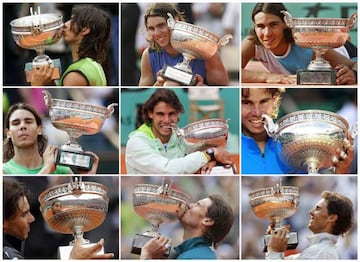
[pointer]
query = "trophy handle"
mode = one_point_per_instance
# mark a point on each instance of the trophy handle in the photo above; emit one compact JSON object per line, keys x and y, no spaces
{"x":288,"y":18}
{"x":110,"y":110}
{"x":270,"y":127}
{"x":224,"y":40}
{"x":352,"y":20}
{"x":354,"y":130}
{"x":171,"y":21}
{"x":47,"y":98}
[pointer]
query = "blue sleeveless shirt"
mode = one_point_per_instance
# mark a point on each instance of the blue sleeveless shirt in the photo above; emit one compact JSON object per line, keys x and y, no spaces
{"x":160,"y":58}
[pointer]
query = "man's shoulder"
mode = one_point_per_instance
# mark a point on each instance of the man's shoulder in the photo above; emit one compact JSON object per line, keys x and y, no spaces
{"x":11,"y":253}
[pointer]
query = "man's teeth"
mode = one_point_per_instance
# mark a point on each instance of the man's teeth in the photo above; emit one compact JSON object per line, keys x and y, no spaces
{"x":258,"y":121}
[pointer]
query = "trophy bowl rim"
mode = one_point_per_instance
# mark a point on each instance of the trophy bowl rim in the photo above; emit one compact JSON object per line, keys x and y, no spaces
{"x":24,"y":18}
{"x":42,"y":198}
{"x":207,"y":120}
{"x":199,"y":28}
{"x":187,"y":196}
{"x":320,"y":111}
{"x":55,"y":101}
{"x":271,"y":187}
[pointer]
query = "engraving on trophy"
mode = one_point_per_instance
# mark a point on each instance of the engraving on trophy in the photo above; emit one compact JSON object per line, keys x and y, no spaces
{"x":74,"y":208}
{"x":193,"y":42}
{"x":37,"y":31}
{"x":320,"y":34}
{"x":309,"y":138}
{"x":157,"y":204}
{"x":76,"y":119}
{"x":203,"y":134}
{"x":274,"y":204}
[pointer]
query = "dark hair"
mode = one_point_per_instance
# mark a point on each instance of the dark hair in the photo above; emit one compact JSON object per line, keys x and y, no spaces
{"x":96,"y":44}
{"x":162,"y":10}
{"x":222,"y":214}
{"x":12,"y":192}
{"x":165,"y":95}
{"x":273,"y":9}
{"x":8,"y":147}
{"x":275,"y":93}
{"x":341,"y":206}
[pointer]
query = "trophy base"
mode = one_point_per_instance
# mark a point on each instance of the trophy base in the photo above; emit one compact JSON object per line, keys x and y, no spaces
{"x":55,"y":75}
{"x":316,"y":77}
{"x":178,"y":75}
{"x":64,"y":251}
{"x":139,"y":241}
{"x":292,"y":242}
{"x":79,"y":160}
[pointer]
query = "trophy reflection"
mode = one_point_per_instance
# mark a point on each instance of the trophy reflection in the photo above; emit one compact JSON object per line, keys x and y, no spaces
{"x":76,"y":119}
{"x":274,"y":204}
{"x":74,"y":208}
{"x":193,"y":42}
{"x":157,"y":204}
{"x":37,"y":31}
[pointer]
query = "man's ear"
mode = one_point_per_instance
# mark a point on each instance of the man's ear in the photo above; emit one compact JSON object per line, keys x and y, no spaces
{"x":208,"y":222}
{"x":333,"y":218}
{"x":85,"y":31}
{"x":7,"y":133}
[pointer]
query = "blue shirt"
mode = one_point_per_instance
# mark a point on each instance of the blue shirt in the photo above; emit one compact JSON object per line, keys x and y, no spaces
{"x":160,"y":58}
{"x":195,"y":248}
{"x":297,"y":58}
{"x":254,"y":162}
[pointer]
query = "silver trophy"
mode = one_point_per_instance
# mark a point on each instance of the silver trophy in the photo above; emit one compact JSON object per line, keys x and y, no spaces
{"x":309,"y":138}
{"x":37,"y":31}
{"x":193,"y":42}
{"x":157,"y":204}
{"x":74,"y":208}
{"x":203,"y":134}
{"x":76,"y":119}
{"x":320,"y":34}
{"x":275,"y":204}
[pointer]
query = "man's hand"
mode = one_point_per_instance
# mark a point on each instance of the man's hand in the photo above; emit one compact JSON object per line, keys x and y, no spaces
{"x":155,"y":248}
{"x":82,"y":252}
{"x":222,"y":156}
{"x":41,"y":75}
{"x":278,"y":241}
{"x":344,"y":75}
{"x":344,"y":156}
{"x":49,"y":159}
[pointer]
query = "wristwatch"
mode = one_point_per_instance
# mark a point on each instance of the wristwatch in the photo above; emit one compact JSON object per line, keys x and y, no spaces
{"x":211,"y":153}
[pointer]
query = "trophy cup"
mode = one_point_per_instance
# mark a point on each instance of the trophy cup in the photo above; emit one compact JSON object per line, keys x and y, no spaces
{"x":157,"y":204}
{"x":37,"y":31}
{"x":274,"y":204}
{"x":320,"y":34}
{"x":193,"y":42}
{"x":309,"y":138}
{"x":76,"y":119}
{"x":74,"y":208}
{"x":203,"y":134}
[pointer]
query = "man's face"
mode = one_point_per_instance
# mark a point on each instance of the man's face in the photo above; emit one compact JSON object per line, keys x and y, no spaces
{"x":162,"y":116}
{"x":270,"y":32}
{"x":23,"y":129}
{"x":320,"y":221}
{"x":195,"y":215}
{"x":259,"y":102}
{"x":158,"y":30}
{"x":19,"y":224}
{"x":70,"y":36}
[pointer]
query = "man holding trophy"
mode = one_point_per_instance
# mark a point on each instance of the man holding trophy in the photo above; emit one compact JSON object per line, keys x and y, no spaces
{"x":162,"y":64}
{"x":205,"y":223}
{"x":154,"y":147}
{"x":272,"y":43}
{"x":17,"y":220}
{"x":332,"y":216}
{"x":26,"y":149}
{"x":88,"y":35}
